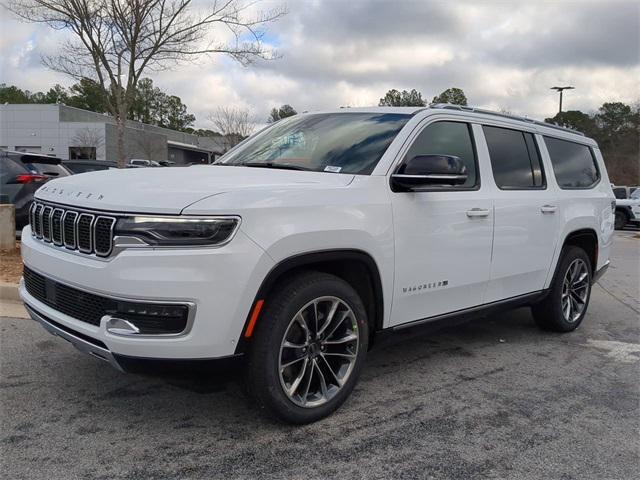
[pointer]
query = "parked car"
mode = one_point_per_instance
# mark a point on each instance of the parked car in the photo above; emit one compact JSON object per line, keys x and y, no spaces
{"x":136,"y":162}
{"x":318,"y":236}
{"x":82,"y":166}
{"x":623,"y":192}
{"x":628,"y":210}
{"x":18,"y":184}
{"x":42,"y":164}
{"x":166,"y":163}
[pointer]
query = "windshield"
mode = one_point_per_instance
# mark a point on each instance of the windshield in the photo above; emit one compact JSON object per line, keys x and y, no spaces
{"x":331,"y":142}
{"x":636,"y":194}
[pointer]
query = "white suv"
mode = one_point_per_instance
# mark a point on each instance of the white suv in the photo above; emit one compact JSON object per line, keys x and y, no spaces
{"x":309,"y":240}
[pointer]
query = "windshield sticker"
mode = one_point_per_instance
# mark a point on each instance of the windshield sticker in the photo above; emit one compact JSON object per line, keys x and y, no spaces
{"x":332,"y":169}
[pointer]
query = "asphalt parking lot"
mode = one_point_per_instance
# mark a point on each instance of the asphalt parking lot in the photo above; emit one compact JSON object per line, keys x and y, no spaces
{"x":496,"y":398}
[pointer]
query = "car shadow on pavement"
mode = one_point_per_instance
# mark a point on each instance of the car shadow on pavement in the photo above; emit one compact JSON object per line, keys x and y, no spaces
{"x":417,"y":345}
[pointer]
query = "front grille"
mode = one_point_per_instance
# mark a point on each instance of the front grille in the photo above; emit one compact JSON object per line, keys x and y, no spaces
{"x":150,"y":318}
{"x":76,"y":230}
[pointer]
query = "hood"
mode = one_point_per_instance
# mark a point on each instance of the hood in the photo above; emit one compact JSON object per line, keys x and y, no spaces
{"x":171,"y":190}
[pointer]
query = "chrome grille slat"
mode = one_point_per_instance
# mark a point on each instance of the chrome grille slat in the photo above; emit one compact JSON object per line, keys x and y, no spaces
{"x":37,"y":224}
{"x":74,"y":229}
{"x":32,"y":217}
{"x":46,"y":223}
{"x":103,"y":235}
{"x":56,"y":226}
{"x":84,"y":235}
{"x":69,"y":229}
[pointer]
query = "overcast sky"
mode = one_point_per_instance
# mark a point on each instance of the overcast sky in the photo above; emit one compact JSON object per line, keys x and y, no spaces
{"x":504,"y":55}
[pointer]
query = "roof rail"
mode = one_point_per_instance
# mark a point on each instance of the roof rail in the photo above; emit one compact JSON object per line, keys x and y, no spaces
{"x":464,"y":108}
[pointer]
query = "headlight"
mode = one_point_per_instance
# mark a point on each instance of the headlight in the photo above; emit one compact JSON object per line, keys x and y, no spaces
{"x":178,"y":231}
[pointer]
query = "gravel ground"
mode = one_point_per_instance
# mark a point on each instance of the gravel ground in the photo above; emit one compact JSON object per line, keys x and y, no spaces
{"x":10,"y":265}
{"x":496,"y":398}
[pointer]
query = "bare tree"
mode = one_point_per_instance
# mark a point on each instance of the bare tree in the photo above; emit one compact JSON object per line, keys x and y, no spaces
{"x":152,"y":147}
{"x":115,"y":41}
{"x":235,"y":124}
{"x":86,"y":139}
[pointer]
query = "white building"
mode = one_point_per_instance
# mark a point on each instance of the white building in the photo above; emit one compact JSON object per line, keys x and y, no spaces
{"x":71,"y":133}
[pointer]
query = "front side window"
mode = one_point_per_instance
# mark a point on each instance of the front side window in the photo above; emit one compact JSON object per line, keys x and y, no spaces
{"x":514,"y":159}
{"x":331,"y":142}
{"x":573,"y":164}
{"x":448,"y":138}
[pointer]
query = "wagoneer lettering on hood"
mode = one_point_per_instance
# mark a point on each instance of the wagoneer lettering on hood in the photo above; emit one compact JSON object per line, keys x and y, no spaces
{"x":171,"y":190}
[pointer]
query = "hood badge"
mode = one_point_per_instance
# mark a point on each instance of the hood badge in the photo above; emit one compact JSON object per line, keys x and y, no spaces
{"x":69,"y":193}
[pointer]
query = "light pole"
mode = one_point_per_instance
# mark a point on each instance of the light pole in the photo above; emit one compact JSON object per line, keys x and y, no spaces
{"x":560,"y":89}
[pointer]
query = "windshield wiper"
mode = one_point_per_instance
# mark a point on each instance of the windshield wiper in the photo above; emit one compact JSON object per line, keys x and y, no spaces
{"x":283,"y":166}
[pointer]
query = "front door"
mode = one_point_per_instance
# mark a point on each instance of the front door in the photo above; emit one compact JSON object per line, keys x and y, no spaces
{"x":442,"y":236}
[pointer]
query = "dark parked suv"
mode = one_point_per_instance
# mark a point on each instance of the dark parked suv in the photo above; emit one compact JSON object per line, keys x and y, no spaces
{"x":50,"y":167}
{"x":18,"y":184}
{"x":82,"y":166}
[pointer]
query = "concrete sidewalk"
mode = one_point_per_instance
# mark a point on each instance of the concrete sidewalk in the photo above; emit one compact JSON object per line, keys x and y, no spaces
{"x":10,"y":303}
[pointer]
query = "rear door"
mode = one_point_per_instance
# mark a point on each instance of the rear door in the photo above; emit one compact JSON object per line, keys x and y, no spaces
{"x":526,"y":214}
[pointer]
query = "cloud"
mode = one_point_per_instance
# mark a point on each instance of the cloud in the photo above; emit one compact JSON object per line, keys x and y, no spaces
{"x":505,"y":55}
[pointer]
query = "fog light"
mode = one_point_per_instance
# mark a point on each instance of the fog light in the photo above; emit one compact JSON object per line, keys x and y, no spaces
{"x":152,"y":318}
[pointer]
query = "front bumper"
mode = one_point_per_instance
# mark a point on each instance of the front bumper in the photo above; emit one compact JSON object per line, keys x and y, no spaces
{"x":85,"y":344}
{"x":220,"y":283}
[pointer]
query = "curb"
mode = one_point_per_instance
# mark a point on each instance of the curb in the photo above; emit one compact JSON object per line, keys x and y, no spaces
{"x":9,"y":291}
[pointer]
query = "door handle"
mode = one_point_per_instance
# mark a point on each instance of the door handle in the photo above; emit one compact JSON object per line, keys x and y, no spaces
{"x":478,"y":212}
{"x":548,"y":209}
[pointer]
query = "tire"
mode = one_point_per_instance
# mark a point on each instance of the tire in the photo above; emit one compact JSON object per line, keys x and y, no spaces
{"x":621,"y":220}
{"x":565,"y":306}
{"x":281,"y":361}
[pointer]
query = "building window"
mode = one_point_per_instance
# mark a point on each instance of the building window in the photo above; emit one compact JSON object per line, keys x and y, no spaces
{"x":82,"y":153}
{"x":27,"y":149}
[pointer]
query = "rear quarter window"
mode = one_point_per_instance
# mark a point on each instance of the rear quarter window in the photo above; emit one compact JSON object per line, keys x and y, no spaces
{"x":48,"y":169}
{"x":574,"y":164}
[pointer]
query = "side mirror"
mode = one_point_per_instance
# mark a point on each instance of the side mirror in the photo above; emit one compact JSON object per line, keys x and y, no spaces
{"x":423,"y":171}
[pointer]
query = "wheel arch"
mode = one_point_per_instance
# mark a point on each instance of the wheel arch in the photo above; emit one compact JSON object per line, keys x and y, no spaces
{"x":356,"y":267}
{"x":587,"y":240}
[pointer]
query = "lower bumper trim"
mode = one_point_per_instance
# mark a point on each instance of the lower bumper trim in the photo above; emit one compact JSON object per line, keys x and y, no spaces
{"x":216,"y":367}
{"x":86,"y":345}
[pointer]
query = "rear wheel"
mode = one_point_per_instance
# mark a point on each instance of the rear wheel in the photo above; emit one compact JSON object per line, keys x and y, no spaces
{"x":308,"y":348}
{"x":565,"y":306}
{"x":621,"y":220}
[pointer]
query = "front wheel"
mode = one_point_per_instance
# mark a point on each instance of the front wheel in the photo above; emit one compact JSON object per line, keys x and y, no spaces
{"x":308,"y":348}
{"x":565,"y":306}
